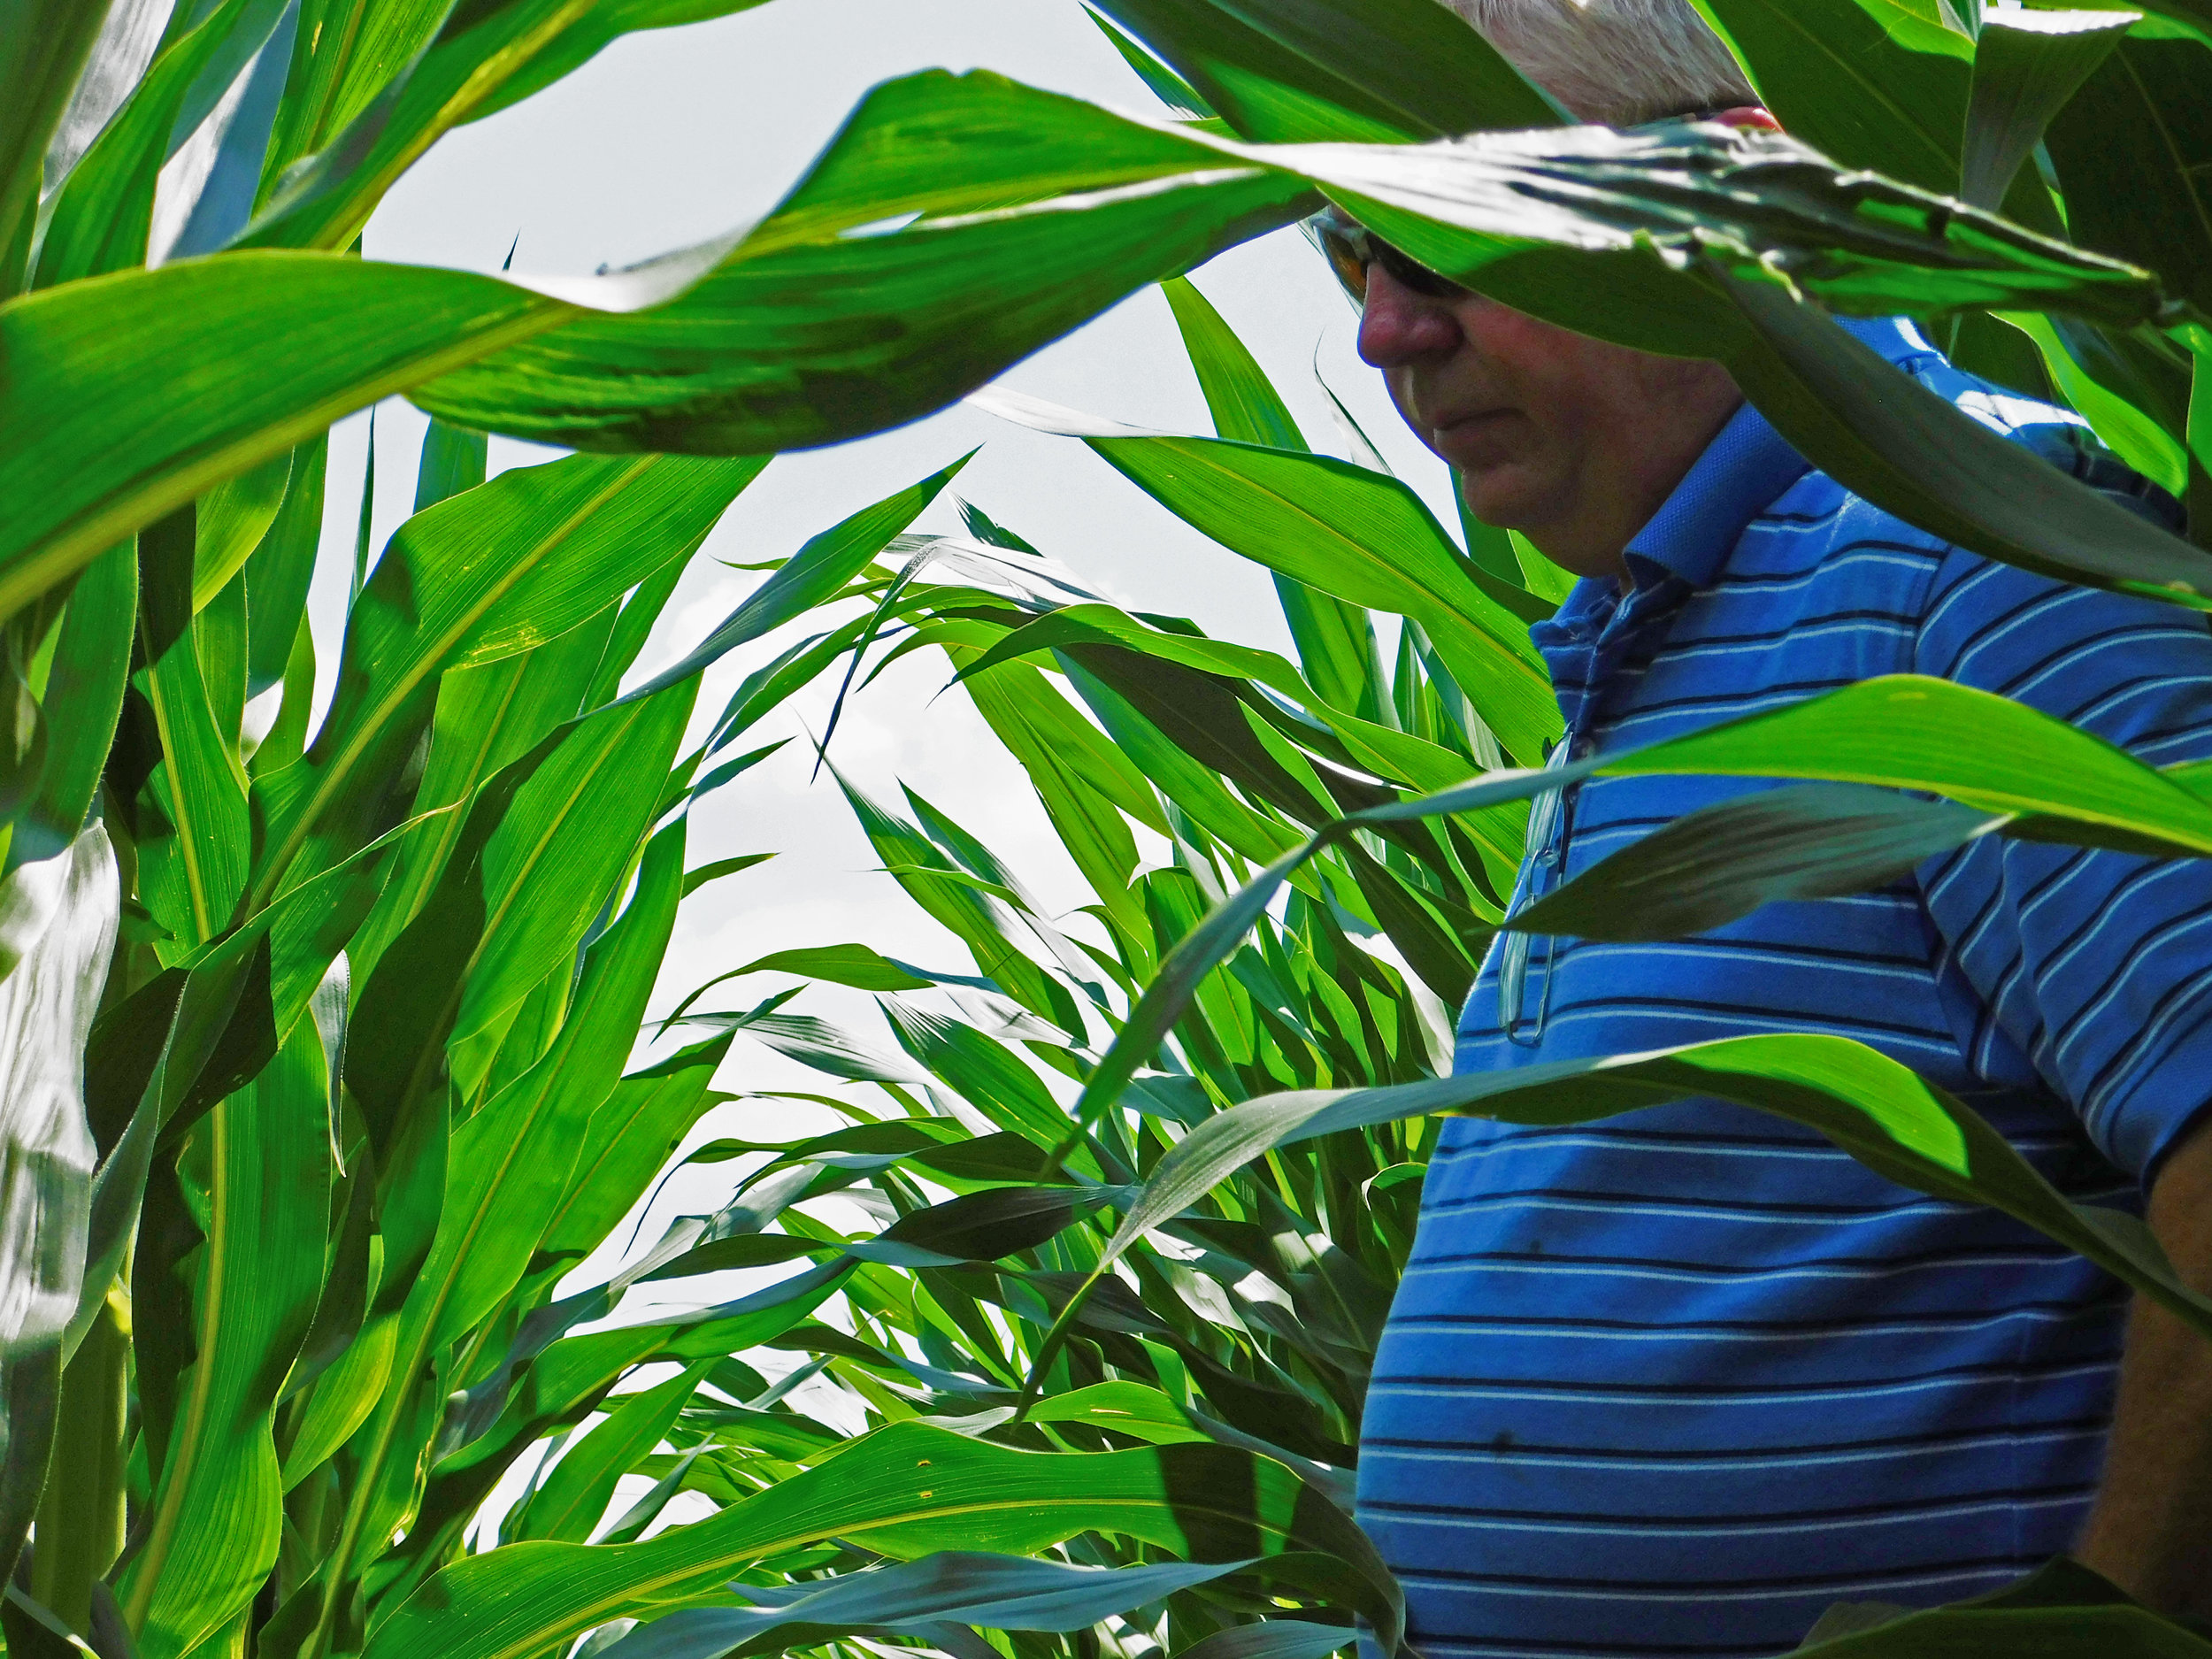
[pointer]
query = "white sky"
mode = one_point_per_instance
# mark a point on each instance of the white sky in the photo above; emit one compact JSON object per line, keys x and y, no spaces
{"x":673,"y":136}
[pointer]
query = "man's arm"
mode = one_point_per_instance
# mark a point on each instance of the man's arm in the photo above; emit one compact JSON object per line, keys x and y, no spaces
{"x":2150,"y":1530}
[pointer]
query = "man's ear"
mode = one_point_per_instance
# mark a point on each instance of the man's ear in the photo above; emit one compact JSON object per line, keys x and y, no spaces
{"x":1750,"y":117}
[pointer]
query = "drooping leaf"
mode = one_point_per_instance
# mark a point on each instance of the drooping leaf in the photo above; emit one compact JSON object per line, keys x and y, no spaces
{"x":1713,"y":865}
{"x":993,"y":1592}
{"x":2126,"y":428}
{"x":907,"y":1491}
{"x":2063,"y":1609}
{"x":283,"y":344}
{"x":1894,"y":1122}
{"x":1898,"y":444}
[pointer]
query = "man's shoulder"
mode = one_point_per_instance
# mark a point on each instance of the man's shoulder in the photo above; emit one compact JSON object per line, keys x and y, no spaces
{"x":1819,"y":523}
{"x":2059,"y":435}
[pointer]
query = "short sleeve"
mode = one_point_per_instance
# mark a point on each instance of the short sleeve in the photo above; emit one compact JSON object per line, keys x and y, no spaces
{"x":2096,"y":966}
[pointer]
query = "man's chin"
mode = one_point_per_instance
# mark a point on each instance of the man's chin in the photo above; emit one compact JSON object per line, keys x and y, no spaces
{"x":1501,"y":496}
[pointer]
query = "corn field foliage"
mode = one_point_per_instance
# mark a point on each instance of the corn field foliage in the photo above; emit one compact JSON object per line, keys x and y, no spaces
{"x":316,"y":1032}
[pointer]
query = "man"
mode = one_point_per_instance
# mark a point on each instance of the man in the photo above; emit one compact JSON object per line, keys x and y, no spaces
{"x":1675,"y":1382}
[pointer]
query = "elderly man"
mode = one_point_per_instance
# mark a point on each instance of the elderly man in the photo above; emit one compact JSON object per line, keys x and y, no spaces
{"x":1675,"y":1382}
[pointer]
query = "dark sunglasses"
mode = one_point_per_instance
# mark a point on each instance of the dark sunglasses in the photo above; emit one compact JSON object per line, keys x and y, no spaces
{"x":1352,"y":250}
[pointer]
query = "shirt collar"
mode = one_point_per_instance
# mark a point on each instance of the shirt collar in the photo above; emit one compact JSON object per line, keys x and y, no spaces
{"x":1744,"y":468}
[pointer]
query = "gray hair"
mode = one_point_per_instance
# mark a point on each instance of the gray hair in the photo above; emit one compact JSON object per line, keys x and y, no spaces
{"x":1614,"y":61}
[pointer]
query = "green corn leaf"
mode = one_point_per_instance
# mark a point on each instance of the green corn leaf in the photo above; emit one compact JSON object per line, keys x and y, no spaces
{"x":856,"y":965}
{"x":1876,"y":85}
{"x":817,"y":571}
{"x":453,"y":459}
{"x":573,"y":1502}
{"x":818,"y":1043}
{"x":2061,"y":1609}
{"x":2133,"y":151}
{"x":1126,"y":1408}
{"x":1336,"y":641}
{"x":1170,"y":89}
{"x":630,"y":1136}
{"x":344,"y":1395}
{"x":1351,"y":534}
{"x":191,"y":877}
{"x":509,"y":1169}
{"x":82,"y":699}
{"x":2131,"y":433}
{"x":98,"y":221}
{"x":1324,"y":69}
{"x":1106,"y":625}
{"x":906,"y":1491}
{"x":980,"y":917}
{"x":28,"y":1391}
{"x":591,"y":32}
{"x":1271,"y":1639}
{"x":453,"y":65}
{"x":992,"y":1592}
{"x":1188,"y":782}
{"x":349,"y":51}
{"x":485,"y":718}
{"x":494,"y":572}
{"x":280,"y":570}
{"x":568,"y":1378}
{"x":2027,"y":65}
{"x":1084,"y":796}
{"x":547,"y":868}
{"x":231,"y":520}
{"x":1710,"y":867}
{"x":1902,"y":447}
{"x":43,"y":46}
{"x":57,"y":921}
{"x":212,"y":1528}
{"x":155,"y":1063}
{"x":379,"y":87}
{"x":1245,"y":407}
{"x":511,"y":1162}
{"x":633,"y":627}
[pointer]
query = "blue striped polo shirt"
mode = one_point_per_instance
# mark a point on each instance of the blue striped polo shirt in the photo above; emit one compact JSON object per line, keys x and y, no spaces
{"x":1673,"y":1382}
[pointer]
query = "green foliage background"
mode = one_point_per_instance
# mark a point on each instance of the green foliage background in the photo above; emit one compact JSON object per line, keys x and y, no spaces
{"x":316,"y":1094}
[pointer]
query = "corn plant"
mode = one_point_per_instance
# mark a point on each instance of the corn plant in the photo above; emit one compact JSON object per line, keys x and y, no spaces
{"x":316,"y":1093}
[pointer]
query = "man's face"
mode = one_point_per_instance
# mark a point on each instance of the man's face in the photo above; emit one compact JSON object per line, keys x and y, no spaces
{"x":1570,"y":441}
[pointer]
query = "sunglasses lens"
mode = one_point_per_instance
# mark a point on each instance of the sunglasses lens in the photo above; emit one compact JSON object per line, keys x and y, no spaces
{"x":1351,"y":249}
{"x":1417,"y":277}
{"x":1344,"y":259}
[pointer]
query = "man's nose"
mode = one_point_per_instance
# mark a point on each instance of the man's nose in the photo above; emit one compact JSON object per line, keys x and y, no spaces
{"x":1398,"y":326}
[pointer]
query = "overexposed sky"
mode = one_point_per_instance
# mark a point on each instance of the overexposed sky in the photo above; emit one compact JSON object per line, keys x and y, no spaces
{"x":676,"y":136}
